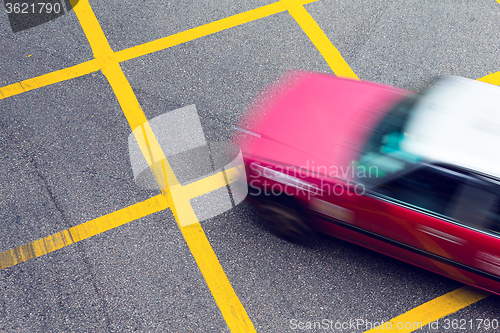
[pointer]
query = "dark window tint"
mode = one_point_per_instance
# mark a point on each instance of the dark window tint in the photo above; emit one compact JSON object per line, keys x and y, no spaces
{"x":493,"y":216}
{"x":473,"y":206}
{"x":480,"y":207}
{"x":426,"y":188}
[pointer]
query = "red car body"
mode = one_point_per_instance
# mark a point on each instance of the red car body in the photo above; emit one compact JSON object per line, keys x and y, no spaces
{"x":302,"y":147}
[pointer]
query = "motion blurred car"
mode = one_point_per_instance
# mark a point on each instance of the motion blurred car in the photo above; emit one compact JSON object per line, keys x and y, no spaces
{"x":413,"y":176}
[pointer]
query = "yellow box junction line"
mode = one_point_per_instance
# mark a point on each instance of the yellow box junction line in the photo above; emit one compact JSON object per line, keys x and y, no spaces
{"x":194,"y":189}
{"x":203,"y":30}
{"x":303,"y":18}
{"x":332,"y":56}
{"x":50,"y":78}
{"x":231,"y":308}
{"x":433,"y":310}
{"x":110,"y":221}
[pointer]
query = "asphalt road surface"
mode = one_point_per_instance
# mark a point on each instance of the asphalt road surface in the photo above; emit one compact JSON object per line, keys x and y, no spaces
{"x":64,"y":161}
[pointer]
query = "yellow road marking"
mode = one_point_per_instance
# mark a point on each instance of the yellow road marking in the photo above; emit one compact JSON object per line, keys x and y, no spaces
{"x":203,"y":30}
{"x":143,"y":133}
{"x":433,"y":310}
{"x":332,"y":56}
{"x":142,"y":49}
{"x":213,"y":182}
{"x":50,"y":78}
{"x":493,"y":78}
{"x":218,"y":283}
{"x":231,"y":308}
{"x":83,"y":231}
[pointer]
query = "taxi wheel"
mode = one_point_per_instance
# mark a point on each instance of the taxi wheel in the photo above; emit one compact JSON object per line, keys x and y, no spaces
{"x":286,"y":222}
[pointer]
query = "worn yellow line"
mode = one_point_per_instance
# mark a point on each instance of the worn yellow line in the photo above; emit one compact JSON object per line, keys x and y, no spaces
{"x":85,"y":230}
{"x":50,"y":78}
{"x":231,"y":308}
{"x":203,"y":30}
{"x":433,"y":310}
{"x":332,"y":56}
{"x":493,"y":78}
{"x":115,"y":219}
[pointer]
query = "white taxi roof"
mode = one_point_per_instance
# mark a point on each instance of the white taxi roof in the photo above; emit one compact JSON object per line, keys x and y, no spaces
{"x":457,"y":122}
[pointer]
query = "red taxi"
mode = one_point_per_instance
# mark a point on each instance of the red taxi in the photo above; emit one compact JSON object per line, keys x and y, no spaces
{"x":413,"y":176}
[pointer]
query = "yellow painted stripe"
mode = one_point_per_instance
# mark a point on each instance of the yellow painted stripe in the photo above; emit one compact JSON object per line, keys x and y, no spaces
{"x":122,"y":89}
{"x":493,"y":78}
{"x":131,"y":109}
{"x":50,"y":78}
{"x":222,"y":291}
{"x":332,"y":56}
{"x":208,"y":184}
{"x":231,"y":308}
{"x":120,"y":217}
{"x":182,"y":194}
{"x":433,"y":310}
{"x":201,"y":31}
{"x":98,"y":42}
{"x":85,"y":230}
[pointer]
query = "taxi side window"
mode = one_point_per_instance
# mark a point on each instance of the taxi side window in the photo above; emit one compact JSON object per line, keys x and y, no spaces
{"x":493,"y":217}
{"x":464,"y":199}
{"x":474,"y":206}
{"x":424,"y":188}
{"x":482,"y":206}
